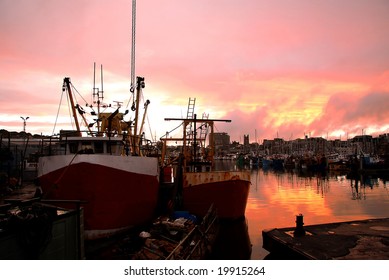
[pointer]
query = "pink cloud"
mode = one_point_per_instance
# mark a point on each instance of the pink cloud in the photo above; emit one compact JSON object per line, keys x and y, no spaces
{"x":286,"y":66}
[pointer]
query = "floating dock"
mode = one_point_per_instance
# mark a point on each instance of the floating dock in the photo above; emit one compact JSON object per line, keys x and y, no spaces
{"x":353,"y":240}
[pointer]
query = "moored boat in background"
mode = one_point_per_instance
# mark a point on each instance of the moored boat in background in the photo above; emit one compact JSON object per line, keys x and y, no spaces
{"x":198,"y":185}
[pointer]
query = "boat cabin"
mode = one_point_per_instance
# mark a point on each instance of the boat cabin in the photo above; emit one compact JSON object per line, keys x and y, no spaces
{"x":94,"y":145}
{"x":70,"y":142}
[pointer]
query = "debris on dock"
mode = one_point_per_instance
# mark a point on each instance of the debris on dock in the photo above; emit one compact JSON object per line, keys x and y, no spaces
{"x":177,"y":236}
{"x":352,"y":240}
{"x":181,"y":238}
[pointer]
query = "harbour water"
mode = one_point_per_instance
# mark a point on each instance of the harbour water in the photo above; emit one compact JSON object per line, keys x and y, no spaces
{"x":277,"y":197}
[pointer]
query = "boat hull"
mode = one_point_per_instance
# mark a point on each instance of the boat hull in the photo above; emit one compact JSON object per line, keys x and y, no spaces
{"x":227,"y":190}
{"x":119,"y":192}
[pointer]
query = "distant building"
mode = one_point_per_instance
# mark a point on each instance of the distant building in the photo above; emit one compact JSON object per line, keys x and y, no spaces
{"x":222,"y":143}
{"x":221,"y":139}
{"x":363,"y":144}
{"x":274,"y":146}
{"x":246,"y":140}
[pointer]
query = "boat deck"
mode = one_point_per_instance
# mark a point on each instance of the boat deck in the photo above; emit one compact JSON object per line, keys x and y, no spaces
{"x":24,"y":192}
{"x":353,"y":240}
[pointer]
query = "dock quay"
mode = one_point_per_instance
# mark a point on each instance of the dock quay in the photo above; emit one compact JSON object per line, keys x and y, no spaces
{"x":31,"y":229}
{"x":352,"y":240}
{"x":179,"y":236}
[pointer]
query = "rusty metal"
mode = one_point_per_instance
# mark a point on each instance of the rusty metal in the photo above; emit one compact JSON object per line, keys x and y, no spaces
{"x":197,"y":178}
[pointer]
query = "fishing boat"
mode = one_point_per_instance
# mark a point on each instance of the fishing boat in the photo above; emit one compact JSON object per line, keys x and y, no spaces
{"x":108,"y":170}
{"x":198,"y":184}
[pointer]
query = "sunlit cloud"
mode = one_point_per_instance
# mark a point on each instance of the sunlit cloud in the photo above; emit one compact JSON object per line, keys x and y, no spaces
{"x":274,"y":68}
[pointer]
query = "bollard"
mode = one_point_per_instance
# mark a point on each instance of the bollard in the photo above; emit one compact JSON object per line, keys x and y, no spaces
{"x":299,"y":231}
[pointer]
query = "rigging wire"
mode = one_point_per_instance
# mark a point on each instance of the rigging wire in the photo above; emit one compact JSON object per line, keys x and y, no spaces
{"x":56,"y":118}
{"x":169,"y":132}
{"x":74,"y":88}
{"x":147,"y":119}
{"x":215,"y":127}
{"x":150,"y":131}
{"x":129,"y":100}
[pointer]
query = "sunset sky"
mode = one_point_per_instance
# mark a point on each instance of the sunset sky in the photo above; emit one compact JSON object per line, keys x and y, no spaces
{"x":280,"y":68}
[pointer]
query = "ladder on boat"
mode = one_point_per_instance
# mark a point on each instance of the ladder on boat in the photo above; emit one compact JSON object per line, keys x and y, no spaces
{"x":204,"y":130}
{"x":190,"y":115}
{"x":191,"y":105}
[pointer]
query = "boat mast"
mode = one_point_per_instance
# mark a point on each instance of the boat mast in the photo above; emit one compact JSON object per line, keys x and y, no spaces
{"x":97,"y":98}
{"x":132,"y":89}
{"x":135,"y":85}
{"x":144,"y":115}
{"x":140,"y":83}
{"x":190,"y":157}
{"x":66,"y":86}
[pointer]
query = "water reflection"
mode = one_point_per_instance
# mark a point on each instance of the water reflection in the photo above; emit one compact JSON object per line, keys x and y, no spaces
{"x":276,"y":197}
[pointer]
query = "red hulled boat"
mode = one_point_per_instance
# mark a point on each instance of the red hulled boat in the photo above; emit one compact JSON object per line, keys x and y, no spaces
{"x":114,"y":170}
{"x":198,"y":184}
{"x":109,"y":170}
{"x":226,"y":190}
